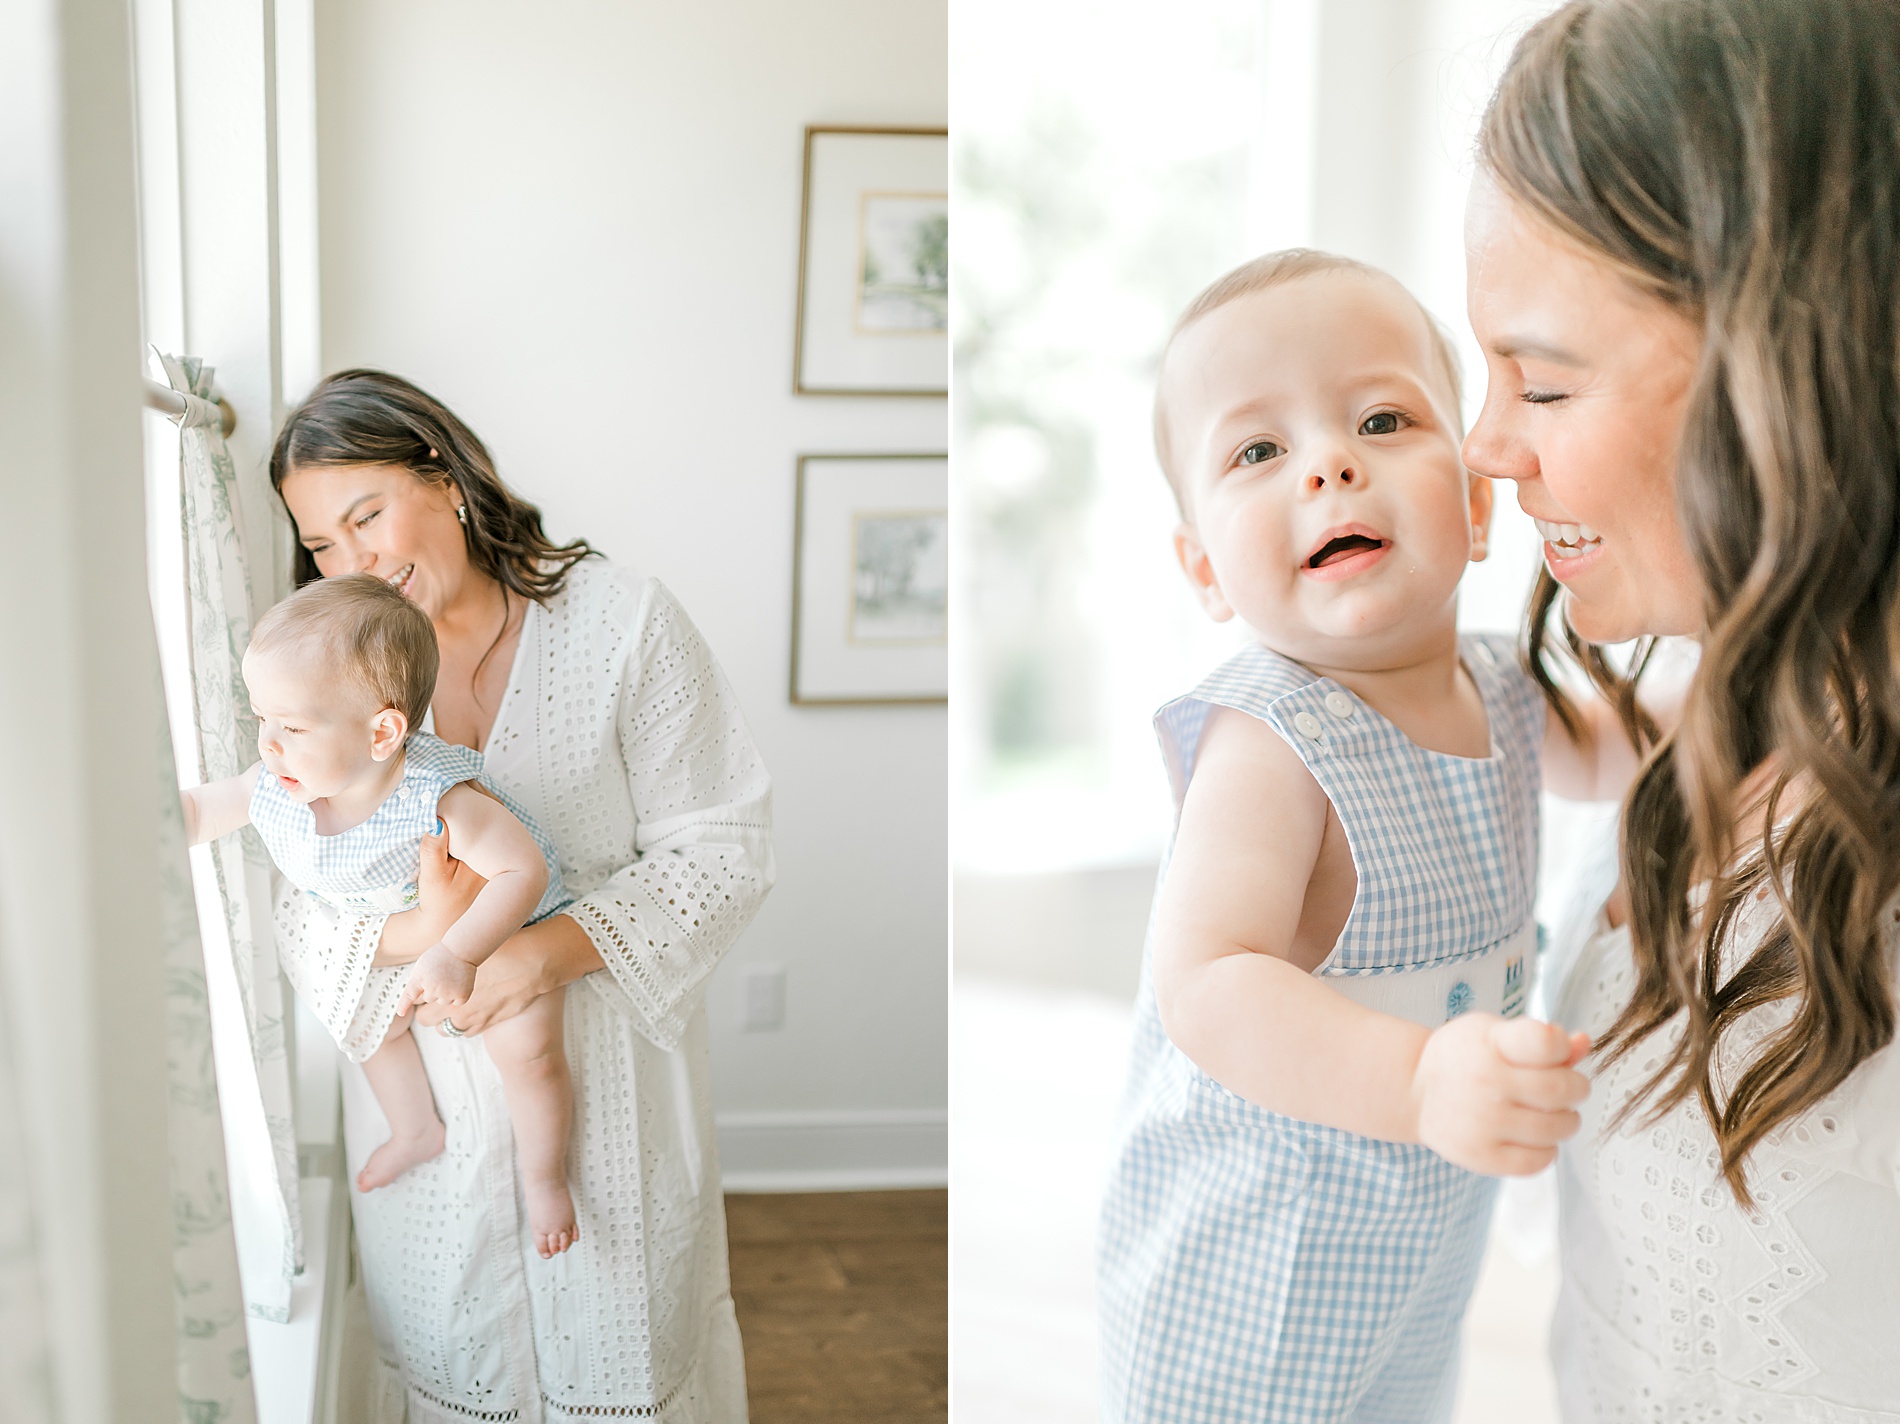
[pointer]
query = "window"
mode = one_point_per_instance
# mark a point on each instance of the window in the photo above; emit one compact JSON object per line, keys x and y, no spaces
{"x":226,"y":151}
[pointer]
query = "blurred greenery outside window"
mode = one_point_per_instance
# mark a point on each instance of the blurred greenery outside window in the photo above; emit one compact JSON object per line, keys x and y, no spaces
{"x":1095,"y":195}
{"x":1091,"y":206}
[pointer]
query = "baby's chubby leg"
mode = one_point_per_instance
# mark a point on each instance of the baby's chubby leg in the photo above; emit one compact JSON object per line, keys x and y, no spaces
{"x":528,"y":1053}
{"x":401,"y":1085}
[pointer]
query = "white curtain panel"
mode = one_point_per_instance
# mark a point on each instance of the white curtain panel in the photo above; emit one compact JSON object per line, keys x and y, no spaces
{"x":214,"y":1362}
{"x":213,"y":1358}
{"x":26,"y":1382}
{"x":231,"y":876}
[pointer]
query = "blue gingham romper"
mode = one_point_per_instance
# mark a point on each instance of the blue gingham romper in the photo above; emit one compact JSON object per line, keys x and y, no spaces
{"x":371,"y":868}
{"x":1258,"y":1268}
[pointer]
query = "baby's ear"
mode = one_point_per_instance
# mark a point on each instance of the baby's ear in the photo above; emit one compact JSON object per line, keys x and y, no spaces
{"x":1480,"y":494}
{"x":1200,"y":571}
{"x":388,"y":730}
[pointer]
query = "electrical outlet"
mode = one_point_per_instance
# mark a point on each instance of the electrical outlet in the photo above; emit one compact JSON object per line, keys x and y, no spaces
{"x":762,"y":999}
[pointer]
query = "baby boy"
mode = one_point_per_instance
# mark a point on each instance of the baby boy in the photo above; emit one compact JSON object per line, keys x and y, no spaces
{"x":341,"y":675}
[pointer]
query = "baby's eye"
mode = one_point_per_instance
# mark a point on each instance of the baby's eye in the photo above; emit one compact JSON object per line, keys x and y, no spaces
{"x":1535,"y":397}
{"x":1384,"y":422}
{"x":1260,"y":452}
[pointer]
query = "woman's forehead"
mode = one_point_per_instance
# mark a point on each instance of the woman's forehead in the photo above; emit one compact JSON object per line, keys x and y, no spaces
{"x":1536,"y":293}
{"x":331,"y":491}
{"x":1511,"y":254}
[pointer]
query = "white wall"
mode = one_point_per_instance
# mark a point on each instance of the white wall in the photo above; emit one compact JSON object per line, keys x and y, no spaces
{"x":577,"y":224}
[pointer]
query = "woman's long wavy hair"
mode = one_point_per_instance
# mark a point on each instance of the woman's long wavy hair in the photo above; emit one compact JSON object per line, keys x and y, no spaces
{"x":364,"y":417}
{"x":1740,"y":159}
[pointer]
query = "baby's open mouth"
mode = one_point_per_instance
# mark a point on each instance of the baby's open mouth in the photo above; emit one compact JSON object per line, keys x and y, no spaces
{"x":1342,"y":547}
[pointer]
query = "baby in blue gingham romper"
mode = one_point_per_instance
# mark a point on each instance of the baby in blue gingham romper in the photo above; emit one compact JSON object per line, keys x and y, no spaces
{"x":1329,"y":1065}
{"x":340,"y":674}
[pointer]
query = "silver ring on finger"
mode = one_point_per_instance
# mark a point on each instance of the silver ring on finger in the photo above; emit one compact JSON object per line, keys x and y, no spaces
{"x":448,"y":1029}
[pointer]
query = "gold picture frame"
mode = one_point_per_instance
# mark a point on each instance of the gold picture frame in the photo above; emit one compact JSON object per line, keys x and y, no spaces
{"x":873,"y":263}
{"x":870,"y":580}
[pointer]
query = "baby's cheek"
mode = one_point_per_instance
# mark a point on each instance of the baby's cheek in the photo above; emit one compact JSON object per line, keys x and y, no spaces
{"x":1268,"y":587}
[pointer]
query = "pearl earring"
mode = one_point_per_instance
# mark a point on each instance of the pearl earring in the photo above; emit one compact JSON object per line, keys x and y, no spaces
{"x":461,"y":515}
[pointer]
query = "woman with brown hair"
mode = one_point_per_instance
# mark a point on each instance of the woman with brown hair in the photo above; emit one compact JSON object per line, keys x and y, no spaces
{"x":1684,"y":267}
{"x":597,"y":706}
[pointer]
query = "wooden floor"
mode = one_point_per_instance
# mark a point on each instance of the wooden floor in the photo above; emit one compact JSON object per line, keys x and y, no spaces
{"x":844,"y":1306}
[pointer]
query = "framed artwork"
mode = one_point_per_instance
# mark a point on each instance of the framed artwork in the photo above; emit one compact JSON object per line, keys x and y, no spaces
{"x":874,"y":264}
{"x":871,"y":579}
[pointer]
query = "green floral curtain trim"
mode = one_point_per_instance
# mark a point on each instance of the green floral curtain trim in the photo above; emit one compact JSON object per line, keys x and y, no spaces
{"x":214,"y":1360}
{"x":259,"y":1121}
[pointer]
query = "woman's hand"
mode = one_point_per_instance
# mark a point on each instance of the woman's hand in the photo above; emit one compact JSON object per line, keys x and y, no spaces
{"x":533,"y":961}
{"x":446,"y":887}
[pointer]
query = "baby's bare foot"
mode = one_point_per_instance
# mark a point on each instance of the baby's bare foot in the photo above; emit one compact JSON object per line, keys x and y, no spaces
{"x":551,"y":1215}
{"x":399,"y":1154}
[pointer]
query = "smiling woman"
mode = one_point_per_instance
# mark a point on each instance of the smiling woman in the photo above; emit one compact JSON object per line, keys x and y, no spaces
{"x":1694,"y":202}
{"x":599,"y":709}
{"x":383,"y":427}
{"x":1588,"y":371}
{"x":382,"y":478}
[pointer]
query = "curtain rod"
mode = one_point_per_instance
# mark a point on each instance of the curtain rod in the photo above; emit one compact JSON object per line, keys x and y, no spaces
{"x":170,"y":402}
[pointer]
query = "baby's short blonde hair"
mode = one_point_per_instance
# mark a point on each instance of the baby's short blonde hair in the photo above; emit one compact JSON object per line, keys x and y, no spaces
{"x":1272,"y":270}
{"x":365,"y":630}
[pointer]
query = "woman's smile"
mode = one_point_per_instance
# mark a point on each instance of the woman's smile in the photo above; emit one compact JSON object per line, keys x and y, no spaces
{"x":1570,"y":550}
{"x":1568,"y":541}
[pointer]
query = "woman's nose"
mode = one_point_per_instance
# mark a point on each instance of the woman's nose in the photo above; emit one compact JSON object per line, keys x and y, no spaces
{"x":1488,"y":450}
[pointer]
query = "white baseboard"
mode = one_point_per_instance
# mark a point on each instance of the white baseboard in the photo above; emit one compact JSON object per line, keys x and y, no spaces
{"x":834,"y":1151}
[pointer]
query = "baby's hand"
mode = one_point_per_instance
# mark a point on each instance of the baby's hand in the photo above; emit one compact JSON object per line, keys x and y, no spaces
{"x":1496,"y":1095}
{"x":438,"y":977}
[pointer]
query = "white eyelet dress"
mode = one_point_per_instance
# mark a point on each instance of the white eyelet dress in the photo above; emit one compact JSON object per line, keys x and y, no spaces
{"x":1257,"y":1269}
{"x":371,"y":868}
{"x":1678,"y":1305}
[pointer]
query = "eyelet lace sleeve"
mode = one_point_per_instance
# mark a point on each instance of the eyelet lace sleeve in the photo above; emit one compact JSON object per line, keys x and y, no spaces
{"x":702,"y":806}
{"x":328,"y":958}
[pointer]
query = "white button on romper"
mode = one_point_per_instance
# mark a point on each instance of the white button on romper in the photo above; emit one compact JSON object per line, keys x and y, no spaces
{"x":1258,"y":1268}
